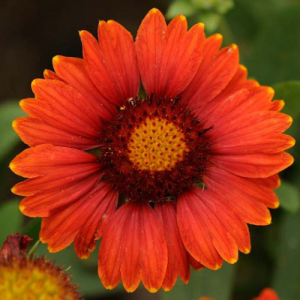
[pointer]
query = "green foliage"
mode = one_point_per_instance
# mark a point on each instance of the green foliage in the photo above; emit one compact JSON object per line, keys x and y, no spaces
{"x":10,"y":219}
{"x":215,"y":284}
{"x":289,"y":196}
{"x":207,"y":11}
{"x":9,"y":111}
{"x":286,"y":273}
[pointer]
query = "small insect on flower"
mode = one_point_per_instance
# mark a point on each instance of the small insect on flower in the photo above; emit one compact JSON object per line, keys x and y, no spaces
{"x":24,"y":277}
{"x":180,"y":171}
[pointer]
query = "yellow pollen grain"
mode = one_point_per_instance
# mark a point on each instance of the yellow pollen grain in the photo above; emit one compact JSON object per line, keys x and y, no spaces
{"x":156,"y":145}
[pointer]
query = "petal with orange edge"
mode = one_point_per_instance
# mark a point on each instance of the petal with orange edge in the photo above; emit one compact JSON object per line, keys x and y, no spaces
{"x":107,"y":199}
{"x":214,"y":72}
{"x":174,"y":53}
{"x":73,"y":71}
{"x":178,"y":261}
{"x":137,"y":252}
{"x":194,"y":232}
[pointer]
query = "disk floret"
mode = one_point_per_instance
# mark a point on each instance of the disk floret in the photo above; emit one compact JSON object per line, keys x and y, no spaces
{"x":154,"y":149}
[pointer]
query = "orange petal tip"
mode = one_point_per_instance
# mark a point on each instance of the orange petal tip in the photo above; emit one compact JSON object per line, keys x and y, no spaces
{"x":152,"y":290}
{"x":21,"y":207}
{"x":109,"y":287}
{"x":182,"y":18}
{"x":201,"y":25}
{"x":270,"y":90}
{"x":269,"y":220}
{"x":232,"y":260}
{"x":154,"y":11}
{"x":12,"y":167}
{"x":34,"y":83}
{"x":218,"y":36}
{"x":243,"y":68}
{"x":14,"y":124}
{"x":56,"y":59}
{"x":247,"y":250}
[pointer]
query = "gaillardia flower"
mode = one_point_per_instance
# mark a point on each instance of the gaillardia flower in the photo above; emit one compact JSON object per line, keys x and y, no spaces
{"x":26,"y":278}
{"x":174,"y":176}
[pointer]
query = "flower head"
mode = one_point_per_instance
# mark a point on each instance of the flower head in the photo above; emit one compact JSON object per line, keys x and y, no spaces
{"x":174,"y":176}
{"x":23,"y":277}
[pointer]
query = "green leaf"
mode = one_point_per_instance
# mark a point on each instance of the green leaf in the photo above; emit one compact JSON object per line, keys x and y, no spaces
{"x":180,"y":7}
{"x":290,"y":92}
{"x":275,"y":53}
{"x":8,"y":138}
{"x":286,"y":274}
{"x":10,"y":219}
{"x":214,"y":284}
{"x":289,"y":196}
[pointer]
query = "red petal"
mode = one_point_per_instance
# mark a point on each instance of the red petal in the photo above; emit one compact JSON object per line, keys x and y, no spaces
{"x":178,"y":262}
{"x":115,"y":75}
{"x":254,"y":165}
{"x":118,"y":51}
{"x":195,"y":264}
{"x":238,"y":82}
{"x":227,"y":219}
{"x":241,"y":195}
{"x":149,"y":47}
{"x":61,"y":106}
{"x":52,"y":191}
{"x":137,"y":251}
{"x":214,"y":73}
{"x":195,"y":233}
{"x":175,"y":54}
{"x":91,"y":231}
{"x":61,"y":227}
{"x":46,"y":159}
{"x":48,"y":74}
{"x":211,"y":222}
{"x":34,"y":132}
{"x":73,"y":71}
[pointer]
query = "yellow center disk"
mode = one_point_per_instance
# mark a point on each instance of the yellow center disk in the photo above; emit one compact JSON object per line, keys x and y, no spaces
{"x":156,"y":145}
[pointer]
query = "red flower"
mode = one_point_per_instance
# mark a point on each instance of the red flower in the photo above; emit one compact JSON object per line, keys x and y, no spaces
{"x":176,"y":175}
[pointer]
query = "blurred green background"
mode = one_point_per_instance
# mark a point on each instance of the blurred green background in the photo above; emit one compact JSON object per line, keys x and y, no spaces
{"x":268,"y":35}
